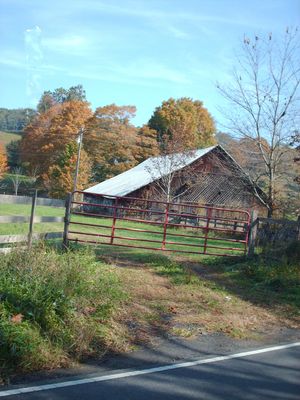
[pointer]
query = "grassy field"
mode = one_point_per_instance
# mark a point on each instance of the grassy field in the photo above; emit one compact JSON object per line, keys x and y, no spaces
{"x":24,"y":210}
{"x":130,"y":231}
{"x":7,"y":137}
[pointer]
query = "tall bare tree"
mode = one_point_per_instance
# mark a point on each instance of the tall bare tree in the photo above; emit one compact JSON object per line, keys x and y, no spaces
{"x":263,"y":98}
{"x":296,"y":142}
{"x":167,"y":170}
{"x":16,"y":178}
{"x":172,"y":175}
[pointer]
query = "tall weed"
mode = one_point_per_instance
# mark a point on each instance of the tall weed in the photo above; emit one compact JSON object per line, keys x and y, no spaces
{"x":54,"y":307}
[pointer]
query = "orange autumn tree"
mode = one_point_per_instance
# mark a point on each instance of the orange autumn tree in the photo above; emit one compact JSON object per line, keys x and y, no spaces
{"x":110,"y":139}
{"x":47,"y":138}
{"x":60,"y":177}
{"x":3,"y":161}
{"x":114,"y":143}
{"x":146,"y":144}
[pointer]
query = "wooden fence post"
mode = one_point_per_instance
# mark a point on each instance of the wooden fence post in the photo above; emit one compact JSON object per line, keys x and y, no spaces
{"x":115,"y":216}
{"x":208,"y":218}
{"x":253,"y":232}
{"x":67,"y":220}
{"x":31,"y":222}
{"x":165,"y":226}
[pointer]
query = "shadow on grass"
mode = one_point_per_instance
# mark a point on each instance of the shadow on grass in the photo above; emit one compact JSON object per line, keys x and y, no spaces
{"x":273,"y":283}
{"x":163,"y":264}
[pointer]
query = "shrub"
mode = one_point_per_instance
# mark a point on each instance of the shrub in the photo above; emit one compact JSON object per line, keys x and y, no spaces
{"x":54,"y":307}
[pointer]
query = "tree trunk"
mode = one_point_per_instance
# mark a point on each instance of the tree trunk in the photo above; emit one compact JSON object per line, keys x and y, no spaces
{"x":271,"y":194}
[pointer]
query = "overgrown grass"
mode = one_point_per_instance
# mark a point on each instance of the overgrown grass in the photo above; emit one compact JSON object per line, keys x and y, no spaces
{"x":271,"y":278}
{"x":55,"y":308}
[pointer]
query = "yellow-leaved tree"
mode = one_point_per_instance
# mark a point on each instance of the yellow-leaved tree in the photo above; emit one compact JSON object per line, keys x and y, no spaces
{"x":184,"y":122}
{"x":146,"y":144}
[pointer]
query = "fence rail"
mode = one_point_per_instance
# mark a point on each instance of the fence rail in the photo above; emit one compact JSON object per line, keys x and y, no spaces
{"x":40,"y":201}
{"x":272,"y":231}
{"x":35,"y":236}
{"x":6,"y":219}
{"x":30,"y":219}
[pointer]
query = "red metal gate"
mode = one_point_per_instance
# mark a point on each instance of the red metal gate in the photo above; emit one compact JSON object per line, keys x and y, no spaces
{"x":157,"y":225}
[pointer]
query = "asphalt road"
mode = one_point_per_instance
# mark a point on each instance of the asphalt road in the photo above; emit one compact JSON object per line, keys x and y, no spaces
{"x":273,"y":374}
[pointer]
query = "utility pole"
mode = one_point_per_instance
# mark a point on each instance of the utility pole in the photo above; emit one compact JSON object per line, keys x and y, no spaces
{"x":78,"y":159}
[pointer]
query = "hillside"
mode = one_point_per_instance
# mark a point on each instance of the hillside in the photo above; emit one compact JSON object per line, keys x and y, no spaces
{"x":7,"y":137}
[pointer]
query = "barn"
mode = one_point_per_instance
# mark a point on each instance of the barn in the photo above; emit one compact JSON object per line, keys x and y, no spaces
{"x":208,"y":176}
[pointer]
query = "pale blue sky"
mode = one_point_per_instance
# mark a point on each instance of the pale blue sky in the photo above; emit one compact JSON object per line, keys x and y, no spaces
{"x":137,"y":52}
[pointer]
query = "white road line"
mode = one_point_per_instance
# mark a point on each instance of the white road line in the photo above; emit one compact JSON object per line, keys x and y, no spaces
{"x":31,"y":389}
